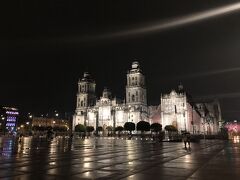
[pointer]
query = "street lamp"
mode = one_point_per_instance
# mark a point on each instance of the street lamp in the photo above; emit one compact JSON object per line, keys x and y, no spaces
{"x":30,"y":122}
{"x":204,"y":121}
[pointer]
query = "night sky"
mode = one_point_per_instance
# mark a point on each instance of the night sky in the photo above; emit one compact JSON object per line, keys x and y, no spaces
{"x":46,"y":47}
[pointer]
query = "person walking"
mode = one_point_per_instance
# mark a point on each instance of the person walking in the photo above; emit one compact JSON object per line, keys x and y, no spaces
{"x":186,"y":139}
{"x":20,"y":138}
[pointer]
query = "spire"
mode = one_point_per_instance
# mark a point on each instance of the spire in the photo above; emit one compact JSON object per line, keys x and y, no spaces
{"x":106,"y":93}
{"x":180,"y":88}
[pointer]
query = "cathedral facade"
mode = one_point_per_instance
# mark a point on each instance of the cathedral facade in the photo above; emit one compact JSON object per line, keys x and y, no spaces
{"x":186,"y":114}
{"x":174,"y":108}
{"x":109,"y":111}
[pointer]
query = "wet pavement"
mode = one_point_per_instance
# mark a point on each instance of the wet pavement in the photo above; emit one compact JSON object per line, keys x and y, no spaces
{"x":108,"y":158}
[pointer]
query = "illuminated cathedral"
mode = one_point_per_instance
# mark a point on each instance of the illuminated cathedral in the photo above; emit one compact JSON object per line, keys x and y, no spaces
{"x":109,"y":111}
{"x":174,"y":108}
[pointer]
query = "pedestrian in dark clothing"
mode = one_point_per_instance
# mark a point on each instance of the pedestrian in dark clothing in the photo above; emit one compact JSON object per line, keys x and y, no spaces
{"x":186,"y":139}
{"x":20,"y":137}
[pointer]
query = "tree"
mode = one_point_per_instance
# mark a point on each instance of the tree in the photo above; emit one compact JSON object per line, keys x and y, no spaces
{"x":129,"y":126}
{"x":156,"y":127}
{"x":109,"y":129}
{"x":100,"y":128}
{"x":119,"y":129}
{"x":170,"y":128}
{"x":143,"y":126}
{"x":89,"y":129}
{"x":80,"y":128}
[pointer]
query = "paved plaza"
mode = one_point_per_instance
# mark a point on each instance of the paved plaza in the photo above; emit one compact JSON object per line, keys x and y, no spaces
{"x":109,"y":158}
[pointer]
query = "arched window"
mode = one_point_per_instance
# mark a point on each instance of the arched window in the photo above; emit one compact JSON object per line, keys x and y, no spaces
{"x":133,"y":98}
{"x":81,"y":103}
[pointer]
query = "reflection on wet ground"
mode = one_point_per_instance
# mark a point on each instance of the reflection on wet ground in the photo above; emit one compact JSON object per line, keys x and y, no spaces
{"x":63,"y":158}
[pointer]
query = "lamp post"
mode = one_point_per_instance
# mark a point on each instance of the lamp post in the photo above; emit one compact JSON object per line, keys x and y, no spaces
{"x":29,"y":123}
{"x":22,"y":128}
{"x":114,"y":119}
{"x":56,"y":114}
{"x":185,"y":125}
{"x":96,"y":113}
{"x":192,"y":119}
{"x":204,"y":128}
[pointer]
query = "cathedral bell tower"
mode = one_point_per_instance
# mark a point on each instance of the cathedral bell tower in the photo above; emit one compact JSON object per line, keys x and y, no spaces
{"x":85,"y":98}
{"x":86,"y":92}
{"x":136,"y":94}
{"x":136,"y":89}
